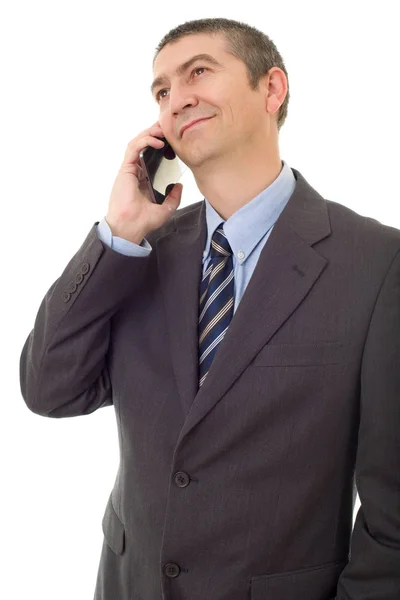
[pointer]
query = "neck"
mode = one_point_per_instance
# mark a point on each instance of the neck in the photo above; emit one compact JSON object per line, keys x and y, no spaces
{"x":235,"y":181}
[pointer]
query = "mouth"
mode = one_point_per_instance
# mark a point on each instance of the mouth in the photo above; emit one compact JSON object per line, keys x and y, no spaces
{"x":193,"y":123}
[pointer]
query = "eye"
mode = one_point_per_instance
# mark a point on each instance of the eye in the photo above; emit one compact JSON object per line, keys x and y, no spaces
{"x":158,"y":98}
{"x":158,"y":94}
{"x":199,"y":69}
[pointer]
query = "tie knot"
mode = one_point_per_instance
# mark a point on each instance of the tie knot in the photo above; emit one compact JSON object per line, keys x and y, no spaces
{"x":219,"y":244}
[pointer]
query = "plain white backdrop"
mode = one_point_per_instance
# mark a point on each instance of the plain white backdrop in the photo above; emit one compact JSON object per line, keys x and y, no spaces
{"x":75,"y":90}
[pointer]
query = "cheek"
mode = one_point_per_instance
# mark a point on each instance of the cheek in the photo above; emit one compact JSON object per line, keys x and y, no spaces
{"x":162,"y":116}
{"x":165,"y":122}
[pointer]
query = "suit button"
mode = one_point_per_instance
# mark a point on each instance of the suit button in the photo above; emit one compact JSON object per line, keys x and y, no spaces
{"x":66,"y":296}
{"x":79,"y":278}
{"x":84,"y":268}
{"x":171,"y":570}
{"x":72,"y":287}
{"x":181,"y":479}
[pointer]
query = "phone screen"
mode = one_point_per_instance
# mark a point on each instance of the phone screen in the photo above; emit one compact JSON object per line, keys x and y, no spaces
{"x":161,"y":169}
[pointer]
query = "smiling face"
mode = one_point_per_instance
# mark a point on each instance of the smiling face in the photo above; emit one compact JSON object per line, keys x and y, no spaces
{"x":217,"y":88}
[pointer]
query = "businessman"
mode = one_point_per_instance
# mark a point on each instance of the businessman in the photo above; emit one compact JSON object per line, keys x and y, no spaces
{"x":249,"y":344}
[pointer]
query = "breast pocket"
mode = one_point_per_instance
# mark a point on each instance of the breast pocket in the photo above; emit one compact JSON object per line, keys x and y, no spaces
{"x":308,"y":354}
{"x":313,"y":583}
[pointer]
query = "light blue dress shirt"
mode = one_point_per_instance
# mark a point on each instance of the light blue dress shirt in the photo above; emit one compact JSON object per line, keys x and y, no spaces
{"x":247,"y":230}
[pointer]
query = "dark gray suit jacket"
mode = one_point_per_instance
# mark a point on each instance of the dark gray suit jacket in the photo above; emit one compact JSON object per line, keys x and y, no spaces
{"x":244,"y":489}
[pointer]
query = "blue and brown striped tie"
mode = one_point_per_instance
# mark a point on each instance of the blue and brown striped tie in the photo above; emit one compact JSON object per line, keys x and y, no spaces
{"x":216,"y":301}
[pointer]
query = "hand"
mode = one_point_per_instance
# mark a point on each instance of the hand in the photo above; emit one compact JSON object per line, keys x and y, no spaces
{"x":131,"y":212}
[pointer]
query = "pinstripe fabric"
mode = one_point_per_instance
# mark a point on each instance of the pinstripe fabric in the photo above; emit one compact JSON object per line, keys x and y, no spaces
{"x":216,"y":300}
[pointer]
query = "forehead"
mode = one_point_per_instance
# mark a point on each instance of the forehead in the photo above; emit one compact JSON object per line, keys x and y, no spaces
{"x":176,"y":53}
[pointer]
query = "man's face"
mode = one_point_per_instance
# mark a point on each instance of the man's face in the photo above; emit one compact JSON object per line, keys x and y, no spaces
{"x":219,"y":92}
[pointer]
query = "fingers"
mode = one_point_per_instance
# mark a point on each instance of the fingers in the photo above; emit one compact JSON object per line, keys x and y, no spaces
{"x":173,"y":199}
{"x":154,"y":130}
{"x":138,"y":144}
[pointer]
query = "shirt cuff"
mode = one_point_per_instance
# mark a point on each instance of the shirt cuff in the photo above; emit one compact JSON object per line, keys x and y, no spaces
{"x":120,"y":244}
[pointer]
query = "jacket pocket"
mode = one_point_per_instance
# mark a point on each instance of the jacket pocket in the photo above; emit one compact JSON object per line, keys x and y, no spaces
{"x":286,"y":355}
{"x":314,"y":583}
{"x":113,"y":529}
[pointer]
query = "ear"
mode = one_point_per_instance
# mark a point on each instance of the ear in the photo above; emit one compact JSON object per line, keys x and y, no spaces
{"x":276,"y":89}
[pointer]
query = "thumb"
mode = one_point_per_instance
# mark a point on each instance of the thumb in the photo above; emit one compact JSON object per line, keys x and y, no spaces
{"x":173,"y":199}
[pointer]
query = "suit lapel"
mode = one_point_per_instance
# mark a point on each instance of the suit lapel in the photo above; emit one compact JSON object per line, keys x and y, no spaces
{"x":287,"y":269}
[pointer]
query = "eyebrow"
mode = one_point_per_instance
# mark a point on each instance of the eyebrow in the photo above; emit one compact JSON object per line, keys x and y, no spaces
{"x":183,"y":67}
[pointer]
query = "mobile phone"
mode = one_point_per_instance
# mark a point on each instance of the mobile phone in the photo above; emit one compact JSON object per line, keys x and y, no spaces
{"x":161,"y":169}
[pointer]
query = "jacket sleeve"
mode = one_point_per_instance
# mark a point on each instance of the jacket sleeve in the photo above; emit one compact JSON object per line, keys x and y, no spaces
{"x":63,"y":364}
{"x":373,"y":570}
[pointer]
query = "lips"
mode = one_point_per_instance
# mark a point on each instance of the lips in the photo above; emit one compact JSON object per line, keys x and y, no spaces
{"x":192,"y":123}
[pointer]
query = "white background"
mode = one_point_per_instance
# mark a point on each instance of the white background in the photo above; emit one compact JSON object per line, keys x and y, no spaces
{"x":75,"y":90}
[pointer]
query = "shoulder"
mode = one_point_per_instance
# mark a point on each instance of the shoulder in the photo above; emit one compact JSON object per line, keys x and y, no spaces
{"x":360,"y":231}
{"x":186,"y":216}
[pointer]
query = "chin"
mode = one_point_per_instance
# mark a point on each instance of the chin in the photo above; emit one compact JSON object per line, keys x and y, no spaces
{"x":196,"y":157}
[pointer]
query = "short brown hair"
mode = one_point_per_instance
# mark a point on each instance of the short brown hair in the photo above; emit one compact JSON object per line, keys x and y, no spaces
{"x":248,"y":44}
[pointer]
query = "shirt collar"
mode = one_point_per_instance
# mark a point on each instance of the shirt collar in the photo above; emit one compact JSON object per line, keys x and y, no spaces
{"x":245,"y":228}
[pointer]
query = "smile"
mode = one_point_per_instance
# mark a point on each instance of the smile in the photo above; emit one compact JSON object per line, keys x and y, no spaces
{"x":196,"y":123}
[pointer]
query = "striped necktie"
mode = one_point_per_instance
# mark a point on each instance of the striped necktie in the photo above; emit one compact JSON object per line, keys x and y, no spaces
{"x":216,"y":300}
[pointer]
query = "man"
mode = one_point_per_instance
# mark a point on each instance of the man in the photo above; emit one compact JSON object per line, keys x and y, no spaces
{"x":250,"y":345}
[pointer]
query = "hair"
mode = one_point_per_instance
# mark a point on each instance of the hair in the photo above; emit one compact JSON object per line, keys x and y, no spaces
{"x":248,"y":44}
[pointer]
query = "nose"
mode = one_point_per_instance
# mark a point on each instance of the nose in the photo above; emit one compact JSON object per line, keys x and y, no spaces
{"x":180,"y":97}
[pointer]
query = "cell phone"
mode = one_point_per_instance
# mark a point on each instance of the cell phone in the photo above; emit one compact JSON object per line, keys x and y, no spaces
{"x":161,"y":169}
